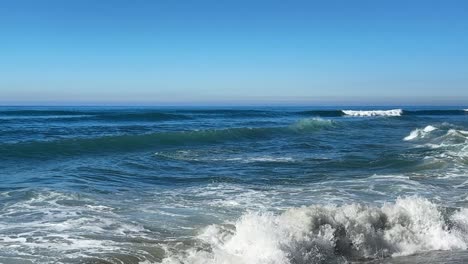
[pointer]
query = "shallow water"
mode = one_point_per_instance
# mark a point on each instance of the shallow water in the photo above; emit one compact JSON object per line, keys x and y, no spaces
{"x":233,"y":185}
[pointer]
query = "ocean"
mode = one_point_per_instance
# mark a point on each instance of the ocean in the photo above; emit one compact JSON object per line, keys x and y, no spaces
{"x":233,"y":185}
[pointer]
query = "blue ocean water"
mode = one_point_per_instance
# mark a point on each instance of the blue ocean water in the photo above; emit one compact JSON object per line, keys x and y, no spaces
{"x":232,"y":185}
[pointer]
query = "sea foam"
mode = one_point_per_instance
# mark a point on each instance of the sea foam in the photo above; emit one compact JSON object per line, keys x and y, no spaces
{"x":393,"y":112}
{"x":332,"y":234}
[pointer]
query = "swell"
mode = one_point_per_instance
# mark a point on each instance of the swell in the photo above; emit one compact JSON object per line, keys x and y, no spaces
{"x":324,"y":113}
{"x":232,"y":112}
{"x":43,"y":112}
{"x":160,"y":115}
{"x":145,"y":116}
{"x":435,"y":112}
{"x":126,"y":143}
{"x":71,"y":116}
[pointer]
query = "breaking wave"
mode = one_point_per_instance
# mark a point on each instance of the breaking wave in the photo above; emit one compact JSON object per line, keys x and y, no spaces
{"x":444,"y":136}
{"x":420,"y":133}
{"x":446,"y":145}
{"x":393,"y":112}
{"x":331,"y":234}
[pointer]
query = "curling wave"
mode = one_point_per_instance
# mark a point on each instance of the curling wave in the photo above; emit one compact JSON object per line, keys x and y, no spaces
{"x":332,"y":234}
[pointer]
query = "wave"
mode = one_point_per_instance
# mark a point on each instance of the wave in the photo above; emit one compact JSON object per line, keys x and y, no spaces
{"x":446,"y":143}
{"x":420,"y":133}
{"x":237,"y":113}
{"x":447,"y":135}
{"x":161,"y":115}
{"x":332,"y":234}
{"x":393,"y":112}
{"x":146,"y":141}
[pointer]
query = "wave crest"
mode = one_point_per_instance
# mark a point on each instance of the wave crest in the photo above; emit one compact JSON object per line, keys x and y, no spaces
{"x":420,"y":133}
{"x":332,"y":234}
{"x":362,"y":113}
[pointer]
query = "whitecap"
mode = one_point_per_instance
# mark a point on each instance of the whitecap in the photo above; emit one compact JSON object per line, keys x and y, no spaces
{"x":362,"y":113}
{"x":420,"y":133}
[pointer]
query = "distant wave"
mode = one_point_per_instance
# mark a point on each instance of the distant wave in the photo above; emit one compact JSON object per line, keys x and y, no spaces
{"x":236,"y":113}
{"x":135,"y":142}
{"x":167,"y":115}
{"x":143,"y":116}
{"x":435,"y":112}
{"x":322,"y":113}
{"x":332,"y":234}
{"x":393,"y":112}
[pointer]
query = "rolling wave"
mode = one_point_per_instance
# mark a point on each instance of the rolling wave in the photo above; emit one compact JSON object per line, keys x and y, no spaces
{"x":332,"y":234}
{"x":435,"y":112}
{"x":144,"y":141}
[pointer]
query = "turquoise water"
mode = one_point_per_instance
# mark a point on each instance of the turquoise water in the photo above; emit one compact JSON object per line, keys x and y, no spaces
{"x":233,"y":185}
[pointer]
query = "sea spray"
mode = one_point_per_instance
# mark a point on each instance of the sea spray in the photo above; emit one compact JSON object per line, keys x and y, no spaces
{"x":332,"y":234}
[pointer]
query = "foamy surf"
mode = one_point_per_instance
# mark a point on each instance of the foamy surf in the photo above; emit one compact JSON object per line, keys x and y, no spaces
{"x":271,"y":185}
{"x":362,"y":113}
{"x":420,"y":133}
{"x":332,"y":234}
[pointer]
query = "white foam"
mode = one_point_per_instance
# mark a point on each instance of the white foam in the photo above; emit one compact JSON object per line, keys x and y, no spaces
{"x":49,"y":225}
{"x":392,"y":112}
{"x":420,"y":133}
{"x":323,"y":234}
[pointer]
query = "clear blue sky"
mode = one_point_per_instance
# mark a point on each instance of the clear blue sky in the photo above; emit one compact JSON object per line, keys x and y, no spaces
{"x":175,"y":51}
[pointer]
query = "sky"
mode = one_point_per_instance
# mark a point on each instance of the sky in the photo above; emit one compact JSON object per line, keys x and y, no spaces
{"x":233,"y":52}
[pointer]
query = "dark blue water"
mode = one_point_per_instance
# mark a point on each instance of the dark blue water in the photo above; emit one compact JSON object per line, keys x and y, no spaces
{"x":233,"y":185}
